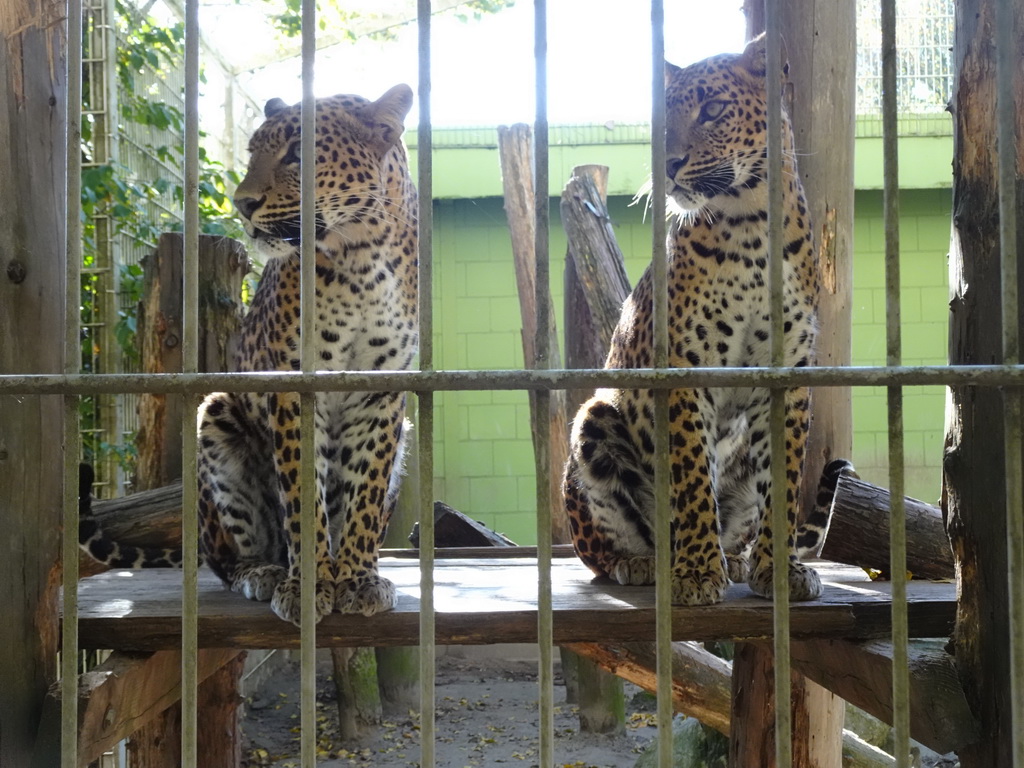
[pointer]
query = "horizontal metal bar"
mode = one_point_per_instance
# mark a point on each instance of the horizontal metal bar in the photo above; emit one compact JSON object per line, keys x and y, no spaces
{"x":456,"y":381}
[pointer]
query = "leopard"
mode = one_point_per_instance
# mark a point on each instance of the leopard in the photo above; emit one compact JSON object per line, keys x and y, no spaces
{"x":718,"y":316}
{"x":249,"y":452}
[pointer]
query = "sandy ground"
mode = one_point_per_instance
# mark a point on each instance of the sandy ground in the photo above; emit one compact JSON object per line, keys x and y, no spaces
{"x":486,"y":716}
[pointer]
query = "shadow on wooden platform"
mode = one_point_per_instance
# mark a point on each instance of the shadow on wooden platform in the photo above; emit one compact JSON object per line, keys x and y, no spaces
{"x":479,"y":601}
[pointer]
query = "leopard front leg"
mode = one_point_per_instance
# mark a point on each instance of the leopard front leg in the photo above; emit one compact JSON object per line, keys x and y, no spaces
{"x":699,"y":570}
{"x":370,"y":465}
{"x":284,"y":411}
{"x":804,"y":582}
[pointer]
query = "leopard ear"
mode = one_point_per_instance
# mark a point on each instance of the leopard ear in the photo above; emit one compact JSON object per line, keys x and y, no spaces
{"x":671,"y":70}
{"x":755,"y":57}
{"x":385,"y":117}
{"x":273,"y":107}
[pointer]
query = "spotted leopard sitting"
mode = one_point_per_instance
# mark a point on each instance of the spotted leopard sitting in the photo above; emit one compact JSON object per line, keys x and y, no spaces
{"x":720,"y":481}
{"x":366,"y":292}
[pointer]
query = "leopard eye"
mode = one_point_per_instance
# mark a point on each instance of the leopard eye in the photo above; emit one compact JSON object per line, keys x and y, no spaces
{"x":711,"y":110}
{"x":291,"y":157}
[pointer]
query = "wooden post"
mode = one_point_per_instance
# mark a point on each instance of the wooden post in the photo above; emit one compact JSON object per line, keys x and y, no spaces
{"x":595,"y":287}
{"x":33,"y":92}
{"x":222,"y":264}
{"x":514,"y":147}
{"x":822,"y":71}
{"x":974,"y":495}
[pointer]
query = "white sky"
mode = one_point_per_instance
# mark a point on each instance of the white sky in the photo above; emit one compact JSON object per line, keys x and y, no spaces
{"x":483,"y":73}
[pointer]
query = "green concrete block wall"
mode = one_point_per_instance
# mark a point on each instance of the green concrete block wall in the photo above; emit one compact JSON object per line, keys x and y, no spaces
{"x":483,"y":453}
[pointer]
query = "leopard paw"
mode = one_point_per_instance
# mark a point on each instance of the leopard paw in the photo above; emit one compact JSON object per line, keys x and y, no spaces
{"x":698,"y":587}
{"x":804,"y":582}
{"x":287,"y":604}
{"x":738,"y":566}
{"x":369,"y":595}
{"x":634,"y":571}
{"x":258,"y":582}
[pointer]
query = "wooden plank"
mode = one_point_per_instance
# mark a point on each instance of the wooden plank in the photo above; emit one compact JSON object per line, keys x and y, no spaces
{"x":940,"y":717}
{"x":126,"y":692}
{"x":483,"y":601}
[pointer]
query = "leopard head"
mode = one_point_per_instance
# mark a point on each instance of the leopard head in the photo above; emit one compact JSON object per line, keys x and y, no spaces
{"x":717,"y":128}
{"x":355,"y":141}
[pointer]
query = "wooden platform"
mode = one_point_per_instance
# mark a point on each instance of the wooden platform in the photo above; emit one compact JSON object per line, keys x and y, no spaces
{"x":485,"y":600}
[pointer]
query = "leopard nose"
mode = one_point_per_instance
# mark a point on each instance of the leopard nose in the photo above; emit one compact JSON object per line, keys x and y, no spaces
{"x":247,"y":206}
{"x":674,"y":164}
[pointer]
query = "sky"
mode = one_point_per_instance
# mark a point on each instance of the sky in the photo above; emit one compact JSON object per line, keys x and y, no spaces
{"x":483,"y":72}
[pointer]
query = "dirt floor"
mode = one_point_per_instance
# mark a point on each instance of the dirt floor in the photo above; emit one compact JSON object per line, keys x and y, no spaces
{"x":486,"y":716}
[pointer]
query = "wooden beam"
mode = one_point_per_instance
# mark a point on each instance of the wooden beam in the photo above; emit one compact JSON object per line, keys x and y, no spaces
{"x":129,"y":691}
{"x":940,"y":717}
{"x":482,"y":601}
{"x":700,"y":680}
{"x":858,"y":532}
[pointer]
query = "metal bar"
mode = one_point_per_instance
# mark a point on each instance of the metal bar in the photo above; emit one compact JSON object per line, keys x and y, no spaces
{"x":425,"y":314}
{"x":777,"y":402}
{"x":460,"y":381}
{"x":662,"y":508}
{"x":72,"y":437}
{"x":1007,"y":63}
{"x":542,"y":399}
{"x":897,"y":513}
{"x":190,"y":364}
{"x":307,"y":400}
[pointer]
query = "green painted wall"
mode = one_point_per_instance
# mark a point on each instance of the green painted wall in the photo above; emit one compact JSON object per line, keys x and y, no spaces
{"x":484,"y":458}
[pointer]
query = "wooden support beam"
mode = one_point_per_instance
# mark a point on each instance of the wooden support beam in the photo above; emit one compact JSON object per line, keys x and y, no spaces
{"x":940,"y":717}
{"x":700,"y":680}
{"x":858,"y":533}
{"x":129,"y":691}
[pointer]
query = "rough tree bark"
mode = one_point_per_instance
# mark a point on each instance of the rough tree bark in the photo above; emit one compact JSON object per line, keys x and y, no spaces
{"x":33,"y":127}
{"x":820,"y":100}
{"x":974,"y":498}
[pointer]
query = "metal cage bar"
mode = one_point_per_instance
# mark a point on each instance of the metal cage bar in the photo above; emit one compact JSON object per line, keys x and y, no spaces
{"x":777,"y":397}
{"x":897,"y":512}
{"x":425,"y":315}
{"x":72,"y":438}
{"x":190,"y":364}
{"x":662,"y":510}
{"x":307,"y":400}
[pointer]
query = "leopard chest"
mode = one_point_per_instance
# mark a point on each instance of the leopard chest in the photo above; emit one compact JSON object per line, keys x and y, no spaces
{"x":720,"y":297}
{"x":365,"y":319}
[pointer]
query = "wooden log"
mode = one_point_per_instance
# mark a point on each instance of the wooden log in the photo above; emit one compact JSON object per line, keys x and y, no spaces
{"x":816,"y":725}
{"x":940,"y":717}
{"x":33,"y":236}
{"x":595,"y":287}
{"x":701,"y":688}
{"x":514,"y":148}
{"x":359,"y":704}
{"x":222,"y":265}
{"x":700,"y":680}
{"x":858,"y":533}
{"x":129,"y":690}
